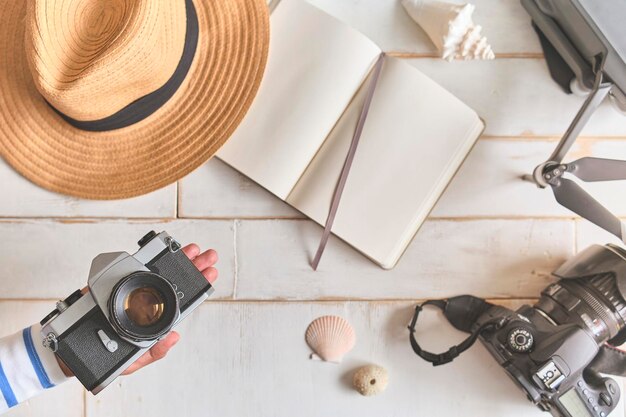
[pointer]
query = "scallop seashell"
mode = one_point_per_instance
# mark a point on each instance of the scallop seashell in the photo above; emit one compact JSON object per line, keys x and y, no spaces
{"x":370,"y":380}
{"x":451,"y":28}
{"x":330,"y":337}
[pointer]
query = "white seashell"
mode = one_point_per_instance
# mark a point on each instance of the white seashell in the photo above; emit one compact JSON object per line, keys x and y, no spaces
{"x":370,"y":380}
{"x":330,"y":337}
{"x":451,"y":28}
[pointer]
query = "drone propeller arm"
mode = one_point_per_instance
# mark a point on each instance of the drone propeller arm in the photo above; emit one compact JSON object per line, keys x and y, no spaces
{"x":596,"y":96}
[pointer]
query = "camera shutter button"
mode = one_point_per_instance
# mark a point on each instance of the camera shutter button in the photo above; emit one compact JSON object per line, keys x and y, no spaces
{"x":520,"y":340}
{"x":612,"y":388}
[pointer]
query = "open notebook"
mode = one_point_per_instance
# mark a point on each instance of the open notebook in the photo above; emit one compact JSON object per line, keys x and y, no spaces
{"x":295,"y":137}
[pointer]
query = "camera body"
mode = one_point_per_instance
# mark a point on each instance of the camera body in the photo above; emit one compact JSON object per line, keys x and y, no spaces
{"x":548,"y":362}
{"x":547,"y":348}
{"x":132,"y":302}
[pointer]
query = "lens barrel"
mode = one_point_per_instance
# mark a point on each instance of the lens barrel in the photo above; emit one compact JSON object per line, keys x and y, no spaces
{"x":593,"y":302}
{"x":143,"y":306}
{"x":607,"y":293}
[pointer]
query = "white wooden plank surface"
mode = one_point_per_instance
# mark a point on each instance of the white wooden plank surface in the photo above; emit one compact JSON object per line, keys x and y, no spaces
{"x":248,"y":358}
{"x":487,"y":185}
{"x":518,"y":97}
{"x":21,"y":198}
{"x":264,"y":369}
{"x":589,"y":234}
{"x":490,"y":258}
{"x":489,"y":182}
{"x":66,"y":400}
{"x":504,"y":22}
{"x":217,"y":190}
{"x":51,"y":259}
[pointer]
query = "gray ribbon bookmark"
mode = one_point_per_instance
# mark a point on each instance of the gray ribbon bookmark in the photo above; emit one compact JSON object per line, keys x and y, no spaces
{"x":348,"y":163}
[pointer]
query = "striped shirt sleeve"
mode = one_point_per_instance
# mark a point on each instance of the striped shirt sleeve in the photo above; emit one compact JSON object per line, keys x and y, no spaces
{"x":26,"y":367}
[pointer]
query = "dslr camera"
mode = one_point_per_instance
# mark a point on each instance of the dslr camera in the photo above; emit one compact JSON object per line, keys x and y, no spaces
{"x":557,"y":350}
{"x":132,"y":302}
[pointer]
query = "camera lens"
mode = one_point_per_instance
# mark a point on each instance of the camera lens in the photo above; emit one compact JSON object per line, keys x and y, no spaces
{"x":590,"y":295}
{"x":144,"y":306}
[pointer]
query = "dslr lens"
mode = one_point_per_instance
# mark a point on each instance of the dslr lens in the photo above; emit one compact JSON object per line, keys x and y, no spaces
{"x":590,"y":293}
{"x":144,"y":306}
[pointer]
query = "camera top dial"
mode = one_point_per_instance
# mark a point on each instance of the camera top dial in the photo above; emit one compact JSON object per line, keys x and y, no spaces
{"x":520,"y":340}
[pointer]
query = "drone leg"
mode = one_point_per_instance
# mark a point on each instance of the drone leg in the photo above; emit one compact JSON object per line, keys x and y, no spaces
{"x":597,"y":94}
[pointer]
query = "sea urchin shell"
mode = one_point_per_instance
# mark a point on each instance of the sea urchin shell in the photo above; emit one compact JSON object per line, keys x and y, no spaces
{"x":370,"y":380}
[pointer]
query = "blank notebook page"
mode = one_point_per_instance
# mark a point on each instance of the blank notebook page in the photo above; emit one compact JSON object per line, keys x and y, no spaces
{"x":315,"y":66}
{"x":415,"y":137}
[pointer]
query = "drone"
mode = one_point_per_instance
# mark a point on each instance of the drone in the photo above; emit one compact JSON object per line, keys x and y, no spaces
{"x":584,"y":43}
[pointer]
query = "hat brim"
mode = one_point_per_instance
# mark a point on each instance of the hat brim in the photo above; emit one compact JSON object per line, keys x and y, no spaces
{"x":179,"y":137}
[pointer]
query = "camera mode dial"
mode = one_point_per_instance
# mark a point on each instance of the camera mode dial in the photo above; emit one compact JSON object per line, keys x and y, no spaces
{"x":520,"y":340}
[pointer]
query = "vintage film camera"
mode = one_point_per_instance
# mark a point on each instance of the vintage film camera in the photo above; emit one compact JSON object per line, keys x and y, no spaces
{"x":132,"y":302}
{"x":556,"y":350}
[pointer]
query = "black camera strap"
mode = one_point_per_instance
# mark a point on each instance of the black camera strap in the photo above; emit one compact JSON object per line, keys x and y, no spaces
{"x":609,"y":360}
{"x":462,"y":312}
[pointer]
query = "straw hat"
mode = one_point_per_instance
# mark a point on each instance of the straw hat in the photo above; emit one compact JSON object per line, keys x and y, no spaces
{"x":108,"y":99}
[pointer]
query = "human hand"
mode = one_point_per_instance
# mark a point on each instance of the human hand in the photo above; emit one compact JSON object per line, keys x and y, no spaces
{"x":205,"y":262}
